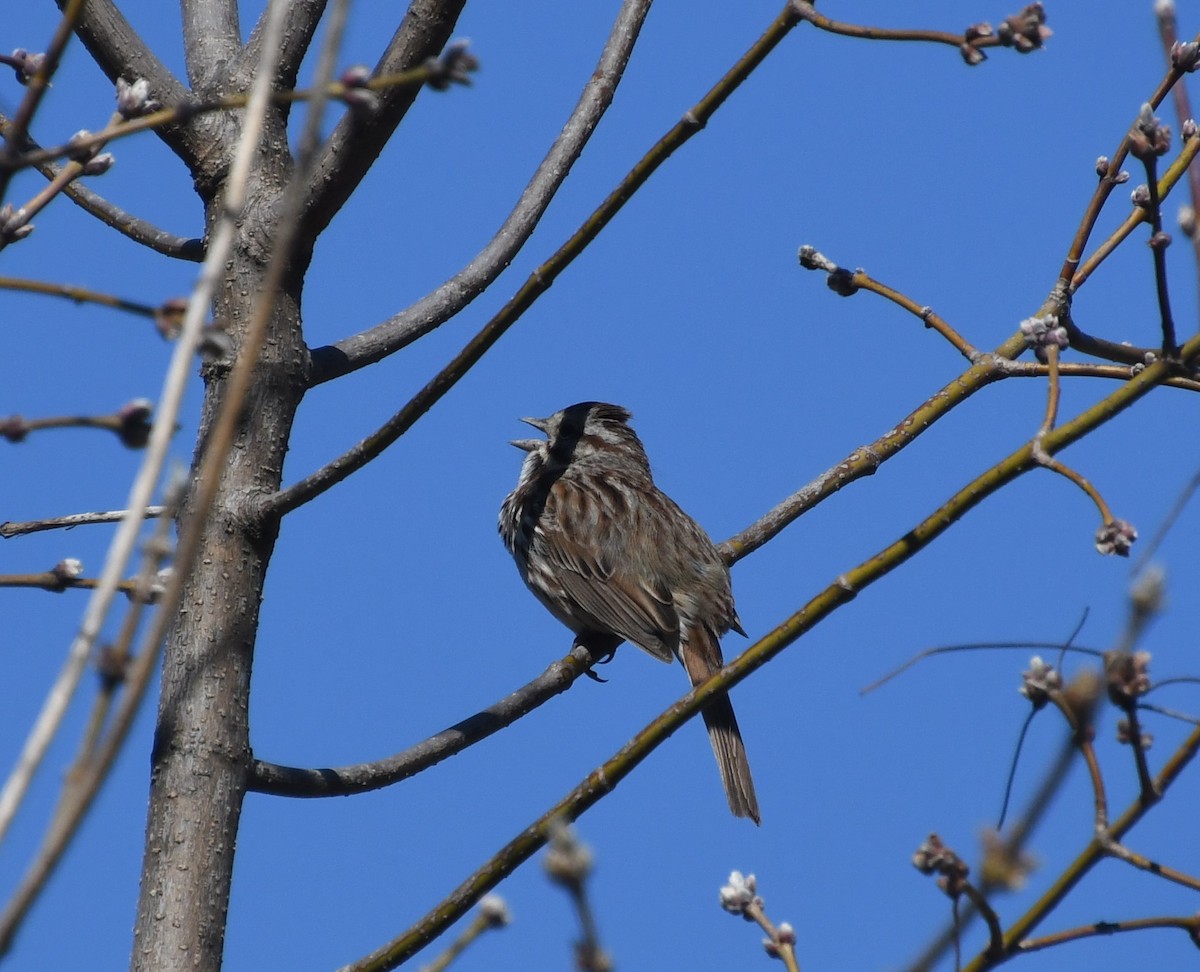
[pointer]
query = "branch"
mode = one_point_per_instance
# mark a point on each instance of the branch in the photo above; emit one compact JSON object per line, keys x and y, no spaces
{"x":358,"y":778}
{"x":1111,"y":176}
{"x":865,"y":460}
{"x":82,"y":295}
{"x":456,"y":293}
{"x":1169,"y":35}
{"x":1083,"y":369}
{"x":538,"y":282}
{"x":1010,"y":849}
{"x":138,"y":230}
{"x":1025,"y":31}
{"x":212,"y":38}
{"x":302,"y":21}
{"x":130,"y":423}
{"x":1188,"y":923}
{"x":357,"y":141}
{"x":986,"y":369}
{"x":350,"y":91}
{"x":1143,"y":863}
{"x":12,"y":528}
{"x":847,"y":283}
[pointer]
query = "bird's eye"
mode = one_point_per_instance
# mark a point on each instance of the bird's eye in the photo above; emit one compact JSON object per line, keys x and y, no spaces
{"x":569,"y":429}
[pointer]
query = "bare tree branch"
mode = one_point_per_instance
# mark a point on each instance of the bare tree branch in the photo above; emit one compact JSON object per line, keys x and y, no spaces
{"x":447,"y":300}
{"x":303,"y":17}
{"x":361,"y":777}
{"x":212,"y":37}
{"x":18,"y":528}
{"x":138,"y":230}
{"x":357,"y":141}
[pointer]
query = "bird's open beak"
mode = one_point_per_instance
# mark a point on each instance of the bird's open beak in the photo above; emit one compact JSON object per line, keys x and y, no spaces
{"x":528,"y":445}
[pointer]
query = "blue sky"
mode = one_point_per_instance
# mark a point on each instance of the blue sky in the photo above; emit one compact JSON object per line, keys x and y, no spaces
{"x":392,"y":609}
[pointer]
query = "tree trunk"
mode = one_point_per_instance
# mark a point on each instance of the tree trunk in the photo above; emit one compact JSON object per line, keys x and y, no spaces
{"x":201,"y":747}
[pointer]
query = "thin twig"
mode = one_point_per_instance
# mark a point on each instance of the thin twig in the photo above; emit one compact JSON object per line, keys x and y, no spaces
{"x":1142,"y":863}
{"x":80,"y":295}
{"x":1011,"y":849}
{"x":1188,"y":923}
{"x":1053,"y":465}
{"x":1175,"y":171}
{"x":1083,"y":735}
{"x":1081,"y":369}
{"x":862,"y":32}
{"x":1169,"y":35}
{"x":846,"y":283}
{"x":190,"y":109}
{"x":995,"y":946}
{"x":1141,"y":766}
{"x":56,"y":584}
{"x":14,"y":528}
{"x":973,"y":646}
{"x":1158,"y":249}
{"x":1109,"y":180}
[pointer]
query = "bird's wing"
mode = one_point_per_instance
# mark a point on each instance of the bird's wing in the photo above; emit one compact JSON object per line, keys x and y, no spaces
{"x":615,"y":598}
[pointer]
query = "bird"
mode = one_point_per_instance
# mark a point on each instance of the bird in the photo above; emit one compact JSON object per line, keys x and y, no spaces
{"x":615,"y":559}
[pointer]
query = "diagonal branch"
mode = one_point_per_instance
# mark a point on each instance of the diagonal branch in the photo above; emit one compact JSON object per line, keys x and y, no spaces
{"x":358,"y":778}
{"x":357,"y":140}
{"x":134,"y":227}
{"x":1110,"y":178}
{"x":18,"y":528}
{"x":138,"y":230}
{"x":447,"y":300}
{"x":865,"y":461}
{"x":83,"y":781}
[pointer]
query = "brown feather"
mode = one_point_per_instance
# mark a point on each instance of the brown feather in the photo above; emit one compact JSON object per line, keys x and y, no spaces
{"x":701,"y":655}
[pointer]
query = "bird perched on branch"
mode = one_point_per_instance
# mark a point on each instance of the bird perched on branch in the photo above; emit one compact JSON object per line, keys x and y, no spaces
{"x":615,"y":559}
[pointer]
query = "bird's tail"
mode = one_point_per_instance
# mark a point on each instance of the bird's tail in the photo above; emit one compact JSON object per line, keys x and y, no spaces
{"x":701,"y":661}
